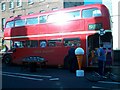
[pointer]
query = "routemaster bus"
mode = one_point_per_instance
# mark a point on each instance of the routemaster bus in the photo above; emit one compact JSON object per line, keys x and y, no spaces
{"x":51,"y":34}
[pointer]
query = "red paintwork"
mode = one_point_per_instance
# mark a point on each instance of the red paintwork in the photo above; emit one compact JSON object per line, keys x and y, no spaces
{"x":70,"y":26}
{"x":54,"y":55}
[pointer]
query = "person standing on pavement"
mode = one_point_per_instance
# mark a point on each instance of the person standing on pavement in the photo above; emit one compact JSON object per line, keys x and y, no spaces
{"x":91,"y":54}
{"x":101,"y":59}
{"x":70,"y":60}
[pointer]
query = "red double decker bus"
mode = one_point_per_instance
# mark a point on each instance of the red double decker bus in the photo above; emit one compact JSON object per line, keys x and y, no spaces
{"x":51,"y":34}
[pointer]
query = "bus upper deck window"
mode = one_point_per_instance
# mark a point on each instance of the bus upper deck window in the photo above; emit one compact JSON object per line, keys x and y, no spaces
{"x":63,"y":17}
{"x":92,"y":12}
{"x":31,"y":21}
{"x":96,"y":13}
{"x":20,"y":23}
{"x":10,"y":24}
{"x":73,"y":15}
{"x":43,"y":19}
{"x":54,"y":18}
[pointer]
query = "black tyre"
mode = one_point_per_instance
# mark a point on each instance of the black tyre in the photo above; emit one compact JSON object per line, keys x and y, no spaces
{"x":92,"y":76}
{"x":7,"y":59}
{"x":114,"y":77}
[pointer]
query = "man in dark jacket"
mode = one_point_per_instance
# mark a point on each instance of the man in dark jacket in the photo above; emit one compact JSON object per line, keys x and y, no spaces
{"x":70,"y":60}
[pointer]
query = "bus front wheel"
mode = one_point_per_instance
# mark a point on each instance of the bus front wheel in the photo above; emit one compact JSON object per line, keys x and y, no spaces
{"x":7,"y":59}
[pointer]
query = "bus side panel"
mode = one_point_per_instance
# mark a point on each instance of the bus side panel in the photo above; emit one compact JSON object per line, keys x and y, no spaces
{"x":54,"y":55}
{"x":71,"y":26}
{"x":7,"y":32}
{"x":99,"y":20}
{"x":50,"y":28}
{"x":83,"y":45}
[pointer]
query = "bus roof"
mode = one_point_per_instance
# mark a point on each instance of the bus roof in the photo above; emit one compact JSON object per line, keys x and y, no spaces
{"x":56,"y":11}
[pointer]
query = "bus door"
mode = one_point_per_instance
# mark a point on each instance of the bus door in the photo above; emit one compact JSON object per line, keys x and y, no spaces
{"x":93,"y":42}
{"x":106,"y":39}
{"x":92,"y":45}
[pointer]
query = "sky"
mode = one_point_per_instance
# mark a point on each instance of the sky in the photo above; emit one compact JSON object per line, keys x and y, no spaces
{"x":92,"y":1}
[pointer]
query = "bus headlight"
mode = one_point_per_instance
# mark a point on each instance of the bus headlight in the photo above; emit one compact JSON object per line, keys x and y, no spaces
{"x":96,"y":26}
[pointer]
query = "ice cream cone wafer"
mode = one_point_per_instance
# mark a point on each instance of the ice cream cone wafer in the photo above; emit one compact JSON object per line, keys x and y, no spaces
{"x":79,"y":52}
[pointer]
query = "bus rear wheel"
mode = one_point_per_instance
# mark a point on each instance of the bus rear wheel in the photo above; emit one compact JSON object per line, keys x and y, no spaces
{"x":7,"y":59}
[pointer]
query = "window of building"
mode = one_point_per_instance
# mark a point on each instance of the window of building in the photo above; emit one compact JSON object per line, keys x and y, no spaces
{"x":93,"y":12}
{"x":41,"y":11}
{"x":19,"y":23}
{"x":19,"y":15}
{"x":70,"y":3}
{"x":11,"y":16}
{"x":30,"y":13}
{"x":30,"y":2}
{"x":10,"y":24}
{"x":54,"y":9}
{"x":19,"y":3}
{"x":11,"y":4}
{"x":54,"y":43}
{"x":3,"y":23}
{"x":3,"y":7}
{"x":31,"y":21}
{"x":72,"y":42}
{"x":41,"y":0}
{"x":43,"y":19}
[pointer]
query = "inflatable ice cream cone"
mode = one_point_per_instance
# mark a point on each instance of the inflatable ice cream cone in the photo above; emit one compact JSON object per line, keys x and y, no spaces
{"x":79,"y":60}
{"x":79,"y":52}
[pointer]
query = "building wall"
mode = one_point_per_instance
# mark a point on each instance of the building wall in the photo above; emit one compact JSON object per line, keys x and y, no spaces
{"x":26,"y":8}
{"x":119,"y":24}
{"x":1,"y":34}
{"x":115,"y":24}
{"x":0,"y":16}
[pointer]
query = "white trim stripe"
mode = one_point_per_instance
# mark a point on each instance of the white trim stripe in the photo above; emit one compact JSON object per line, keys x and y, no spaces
{"x":56,"y":34}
